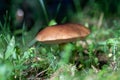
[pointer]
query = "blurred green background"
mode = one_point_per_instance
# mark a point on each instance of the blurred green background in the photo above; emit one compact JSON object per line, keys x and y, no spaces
{"x":96,"y":58}
{"x":62,"y":11}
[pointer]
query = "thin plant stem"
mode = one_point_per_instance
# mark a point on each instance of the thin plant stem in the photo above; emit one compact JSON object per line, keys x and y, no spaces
{"x":44,"y":10}
{"x":58,"y":8}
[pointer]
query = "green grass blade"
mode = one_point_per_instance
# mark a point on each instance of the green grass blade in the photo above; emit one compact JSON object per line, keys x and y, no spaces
{"x":10,"y":48}
{"x":44,"y":10}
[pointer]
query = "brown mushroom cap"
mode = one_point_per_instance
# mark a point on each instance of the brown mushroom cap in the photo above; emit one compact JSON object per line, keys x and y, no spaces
{"x":62,"y":33}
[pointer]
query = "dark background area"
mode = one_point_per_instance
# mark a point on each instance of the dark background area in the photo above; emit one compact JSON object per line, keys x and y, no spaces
{"x":62,"y":11}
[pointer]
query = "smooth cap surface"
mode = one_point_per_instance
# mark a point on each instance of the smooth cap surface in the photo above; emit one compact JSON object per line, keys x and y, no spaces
{"x":62,"y":33}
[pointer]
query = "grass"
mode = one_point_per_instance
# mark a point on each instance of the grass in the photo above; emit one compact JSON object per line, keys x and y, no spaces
{"x":21,"y":58}
{"x":18,"y":61}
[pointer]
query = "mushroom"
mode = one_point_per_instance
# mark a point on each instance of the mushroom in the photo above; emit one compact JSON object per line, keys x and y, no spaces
{"x":62,"y":33}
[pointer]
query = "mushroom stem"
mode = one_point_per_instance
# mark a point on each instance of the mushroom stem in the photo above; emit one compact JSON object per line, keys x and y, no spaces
{"x":67,"y":49}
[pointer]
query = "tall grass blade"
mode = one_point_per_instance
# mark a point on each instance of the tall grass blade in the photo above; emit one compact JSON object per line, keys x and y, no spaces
{"x":44,"y":10}
{"x":10,"y":48}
